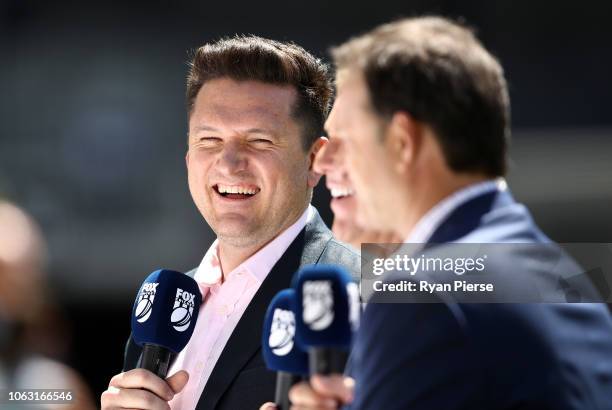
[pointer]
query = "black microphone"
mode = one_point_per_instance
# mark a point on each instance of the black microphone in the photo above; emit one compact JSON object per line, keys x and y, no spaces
{"x":280,"y":350}
{"x":163,"y":318}
{"x":327,"y":311}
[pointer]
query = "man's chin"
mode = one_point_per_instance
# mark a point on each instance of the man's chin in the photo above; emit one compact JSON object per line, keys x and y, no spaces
{"x":243,"y":233}
{"x":364,"y":221}
{"x":351,"y":233}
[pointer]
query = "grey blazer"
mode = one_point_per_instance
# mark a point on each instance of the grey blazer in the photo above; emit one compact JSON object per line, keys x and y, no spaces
{"x":240,"y":379}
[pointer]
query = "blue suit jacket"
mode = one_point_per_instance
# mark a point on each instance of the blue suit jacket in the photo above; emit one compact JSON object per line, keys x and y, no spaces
{"x":450,"y":355}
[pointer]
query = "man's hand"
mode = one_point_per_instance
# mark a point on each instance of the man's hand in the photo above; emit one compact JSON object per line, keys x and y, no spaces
{"x":143,"y":390}
{"x":323,"y":392}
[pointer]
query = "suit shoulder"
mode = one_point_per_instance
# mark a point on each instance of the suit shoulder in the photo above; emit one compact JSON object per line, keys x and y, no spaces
{"x":339,"y":253}
{"x":553,"y":341}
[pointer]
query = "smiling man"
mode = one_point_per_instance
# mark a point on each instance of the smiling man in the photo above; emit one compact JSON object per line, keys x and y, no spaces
{"x":249,"y":174}
{"x":256,"y":112}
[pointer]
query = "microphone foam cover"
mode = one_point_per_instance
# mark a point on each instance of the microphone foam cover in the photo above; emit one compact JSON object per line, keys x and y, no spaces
{"x":166,"y":310}
{"x":280,"y":351}
{"x":326,"y":307}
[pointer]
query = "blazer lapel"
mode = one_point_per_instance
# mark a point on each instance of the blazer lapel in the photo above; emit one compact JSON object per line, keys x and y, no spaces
{"x":464,"y":219}
{"x":245,"y":341}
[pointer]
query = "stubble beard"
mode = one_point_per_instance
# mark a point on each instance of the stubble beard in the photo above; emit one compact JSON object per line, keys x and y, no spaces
{"x":249,"y":235}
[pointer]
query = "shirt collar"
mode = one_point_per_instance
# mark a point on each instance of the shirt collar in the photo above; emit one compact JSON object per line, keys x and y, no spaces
{"x":427,"y":225}
{"x":209,"y":272}
{"x":259,"y":264}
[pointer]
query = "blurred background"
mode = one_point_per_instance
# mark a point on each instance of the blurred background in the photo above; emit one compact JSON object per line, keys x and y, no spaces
{"x":93,"y":131}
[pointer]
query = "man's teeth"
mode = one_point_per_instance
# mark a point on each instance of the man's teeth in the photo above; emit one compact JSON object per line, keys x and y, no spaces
{"x":226,"y":189}
{"x":340,"y":192}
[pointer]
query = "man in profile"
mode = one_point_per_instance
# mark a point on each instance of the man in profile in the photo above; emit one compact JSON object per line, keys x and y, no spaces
{"x":422,"y":110}
{"x":256,"y":112}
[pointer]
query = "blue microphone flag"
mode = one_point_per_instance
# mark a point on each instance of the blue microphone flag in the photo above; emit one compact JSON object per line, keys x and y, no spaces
{"x":280,"y":351}
{"x":166,"y":310}
{"x":327,"y":307}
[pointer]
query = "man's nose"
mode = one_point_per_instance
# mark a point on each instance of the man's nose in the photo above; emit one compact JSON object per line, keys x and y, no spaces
{"x":233,"y":157}
{"x":327,"y":157}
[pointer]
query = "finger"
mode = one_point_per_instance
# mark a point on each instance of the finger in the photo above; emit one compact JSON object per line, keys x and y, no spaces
{"x":334,"y":386}
{"x":119,"y":398}
{"x":178,"y":381}
{"x":268,"y":406}
{"x":143,"y":379}
{"x":303,"y":395}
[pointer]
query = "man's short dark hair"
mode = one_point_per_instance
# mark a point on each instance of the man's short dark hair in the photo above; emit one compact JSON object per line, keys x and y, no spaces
{"x":244,"y":58}
{"x":438,"y":72}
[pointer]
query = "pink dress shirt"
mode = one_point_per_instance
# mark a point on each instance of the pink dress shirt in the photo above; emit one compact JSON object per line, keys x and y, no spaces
{"x":224,"y":304}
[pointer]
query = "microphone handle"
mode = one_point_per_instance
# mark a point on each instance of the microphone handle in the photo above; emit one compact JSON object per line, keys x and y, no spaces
{"x":156,"y":359}
{"x":327,"y":360}
{"x":284,"y":381}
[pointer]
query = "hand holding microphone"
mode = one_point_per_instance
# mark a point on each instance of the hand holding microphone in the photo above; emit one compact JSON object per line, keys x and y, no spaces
{"x":163,"y":320}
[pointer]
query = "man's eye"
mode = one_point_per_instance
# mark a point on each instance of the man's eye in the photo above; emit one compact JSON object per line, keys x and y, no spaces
{"x":208,"y":141}
{"x":261,"y":141}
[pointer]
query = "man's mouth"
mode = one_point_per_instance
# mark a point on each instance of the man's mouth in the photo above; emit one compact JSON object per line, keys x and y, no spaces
{"x":339,"y":193}
{"x":236,"y":191}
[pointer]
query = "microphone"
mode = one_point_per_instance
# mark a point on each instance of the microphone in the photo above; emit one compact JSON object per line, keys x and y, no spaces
{"x":163,"y":318}
{"x":280,"y":351}
{"x":327,"y":311}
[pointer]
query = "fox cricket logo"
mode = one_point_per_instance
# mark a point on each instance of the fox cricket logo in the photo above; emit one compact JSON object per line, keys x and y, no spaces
{"x":282,"y":332}
{"x":182,"y":310}
{"x":144,"y":306}
{"x":317,"y":304}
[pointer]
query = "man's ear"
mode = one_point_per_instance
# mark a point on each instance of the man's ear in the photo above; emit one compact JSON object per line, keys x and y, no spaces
{"x":315,"y":177}
{"x":404,"y":140}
